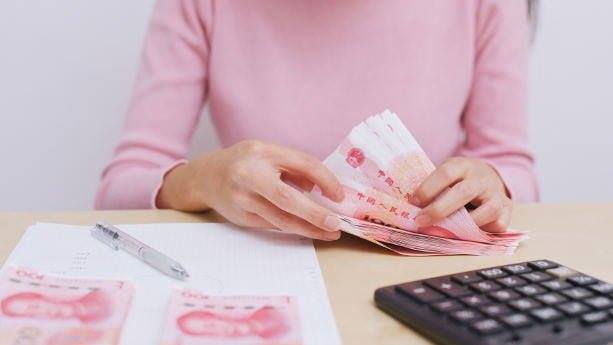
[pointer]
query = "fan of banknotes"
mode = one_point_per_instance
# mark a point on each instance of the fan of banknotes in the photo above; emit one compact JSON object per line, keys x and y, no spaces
{"x":380,"y":165}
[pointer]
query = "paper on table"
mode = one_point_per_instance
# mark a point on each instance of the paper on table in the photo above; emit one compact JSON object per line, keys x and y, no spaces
{"x":221,"y":259}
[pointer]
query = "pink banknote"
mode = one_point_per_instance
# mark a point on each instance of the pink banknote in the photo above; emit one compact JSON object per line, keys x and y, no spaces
{"x":380,"y":165}
{"x":36,"y":308}
{"x":195,"y":318}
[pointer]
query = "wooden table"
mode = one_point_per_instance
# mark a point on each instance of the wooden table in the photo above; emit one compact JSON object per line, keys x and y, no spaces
{"x":578,"y":235}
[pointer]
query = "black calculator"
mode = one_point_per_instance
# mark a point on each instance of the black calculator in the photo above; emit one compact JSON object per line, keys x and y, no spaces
{"x":536,"y":302}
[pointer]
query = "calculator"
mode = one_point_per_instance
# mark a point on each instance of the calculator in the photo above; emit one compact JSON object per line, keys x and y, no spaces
{"x":536,"y":302}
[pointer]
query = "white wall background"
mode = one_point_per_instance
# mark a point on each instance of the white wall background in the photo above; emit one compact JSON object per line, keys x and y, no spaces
{"x":67,"y":68}
{"x":572,"y":100}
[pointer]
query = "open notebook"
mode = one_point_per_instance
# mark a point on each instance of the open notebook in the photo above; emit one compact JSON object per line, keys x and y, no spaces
{"x":221,"y":259}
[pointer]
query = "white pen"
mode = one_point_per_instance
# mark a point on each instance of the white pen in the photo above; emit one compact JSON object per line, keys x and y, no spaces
{"x":118,"y":239}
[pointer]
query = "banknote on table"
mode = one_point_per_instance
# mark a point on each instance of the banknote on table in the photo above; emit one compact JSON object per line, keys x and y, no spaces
{"x":195,"y":318}
{"x":36,"y":308}
{"x":380,"y":165}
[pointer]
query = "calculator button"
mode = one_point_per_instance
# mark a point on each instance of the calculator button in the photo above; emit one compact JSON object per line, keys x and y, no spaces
{"x":466,"y":315}
{"x":542,"y":264}
{"x":475,"y":300}
{"x":448,"y":287}
{"x":487,"y":326}
{"x":419,"y":292}
{"x":485,"y":286}
{"x":492,"y":273}
{"x":599,"y":302}
{"x":466,"y":278}
{"x":530,"y":290}
{"x":555,"y":285}
{"x":546,"y":314}
{"x":595,"y":317}
{"x":524,"y":304}
{"x":536,"y":277}
{"x":504,"y":295}
{"x":447,"y":306}
{"x":582,"y":280}
{"x":516,"y":320}
{"x":573,"y":308}
{"x":603,"y":288}
{"x":577,"y":293}
{"x":517,"y":268}
{"x":561,"y":272}
{"x":511,"y":281}
{"x":551,"y":298}
{"x":494,"y":310}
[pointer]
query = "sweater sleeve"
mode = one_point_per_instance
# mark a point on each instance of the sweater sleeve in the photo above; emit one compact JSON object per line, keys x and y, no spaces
{"x":494,"y":118}
{"x":166,"y":105}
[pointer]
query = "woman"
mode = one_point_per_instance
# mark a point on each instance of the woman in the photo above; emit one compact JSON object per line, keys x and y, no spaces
{"x":286,"y":81}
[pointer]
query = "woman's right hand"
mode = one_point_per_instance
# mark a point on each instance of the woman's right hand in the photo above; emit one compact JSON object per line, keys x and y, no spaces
{"x":247,"y":183}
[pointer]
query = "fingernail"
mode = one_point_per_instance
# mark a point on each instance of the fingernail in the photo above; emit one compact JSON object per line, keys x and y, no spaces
{"x":331,"y":223}
{"x":415,"y":201}
{"x":423,"y":220}
{"x":333,"y":236}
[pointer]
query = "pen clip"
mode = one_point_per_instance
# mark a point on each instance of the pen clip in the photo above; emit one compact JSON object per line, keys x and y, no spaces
{"x":98,"y":232}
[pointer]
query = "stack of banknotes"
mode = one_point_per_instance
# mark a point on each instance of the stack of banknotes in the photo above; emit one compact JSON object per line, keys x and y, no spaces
{"x":380,"y":165}
{"x":41,"y":309}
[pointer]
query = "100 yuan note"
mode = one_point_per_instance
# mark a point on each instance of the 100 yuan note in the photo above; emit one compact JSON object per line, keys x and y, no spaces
{"x":195,"y":318}
{"x":37,"y":309}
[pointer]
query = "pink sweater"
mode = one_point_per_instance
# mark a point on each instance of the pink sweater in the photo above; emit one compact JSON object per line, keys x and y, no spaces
{"x":302,"y":73}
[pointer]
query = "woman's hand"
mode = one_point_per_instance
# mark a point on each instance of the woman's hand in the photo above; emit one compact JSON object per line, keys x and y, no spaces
{"x":248,"y":184}
{"x":469,"y":181}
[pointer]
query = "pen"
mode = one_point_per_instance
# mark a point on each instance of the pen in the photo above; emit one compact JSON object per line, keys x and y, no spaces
{"x":118,"y":239}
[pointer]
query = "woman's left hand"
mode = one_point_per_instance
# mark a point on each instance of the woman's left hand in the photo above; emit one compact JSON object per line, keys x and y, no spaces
{"x":461,"y":181}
